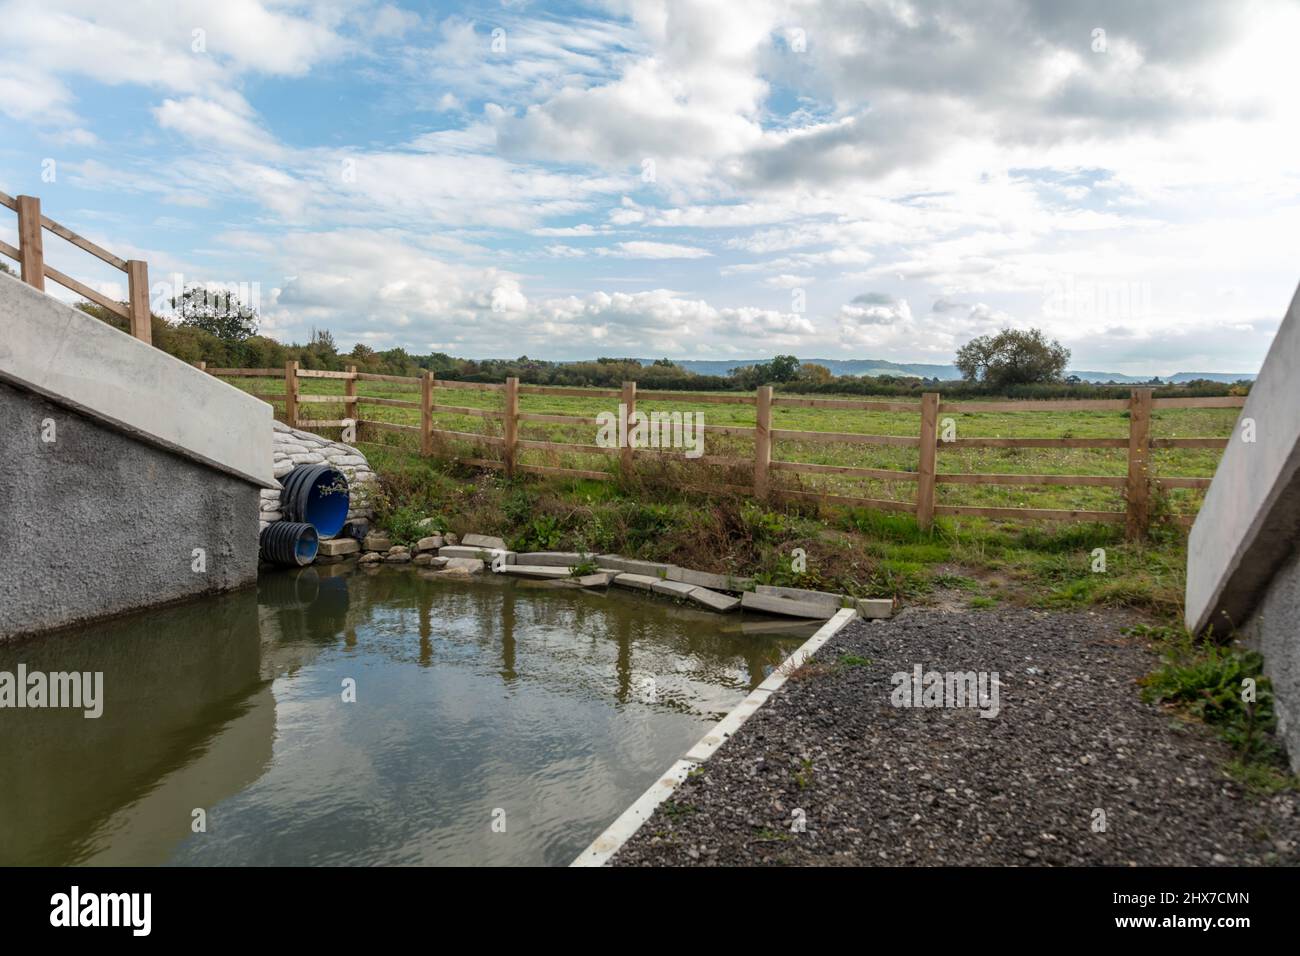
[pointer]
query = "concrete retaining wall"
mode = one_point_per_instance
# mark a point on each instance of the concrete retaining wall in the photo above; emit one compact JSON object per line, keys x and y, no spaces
{"x":1243,"y":571}
{"x":97,"y":522}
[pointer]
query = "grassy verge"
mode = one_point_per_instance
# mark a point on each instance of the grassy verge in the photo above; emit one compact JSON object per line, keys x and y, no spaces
{"x":867,"y":553}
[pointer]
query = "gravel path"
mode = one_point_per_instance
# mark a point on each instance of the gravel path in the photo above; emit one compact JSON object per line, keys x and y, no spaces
{"x":887,"y":785}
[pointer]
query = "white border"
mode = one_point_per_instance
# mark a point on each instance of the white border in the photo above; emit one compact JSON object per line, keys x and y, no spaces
{"x":621,"y":830}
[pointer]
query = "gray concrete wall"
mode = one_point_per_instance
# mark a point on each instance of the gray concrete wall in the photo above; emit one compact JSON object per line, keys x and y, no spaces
{"x":1250,"y":520}
{"x":1274,"y":630}
{"x":99,"y":522}
{"x":52,"y":349}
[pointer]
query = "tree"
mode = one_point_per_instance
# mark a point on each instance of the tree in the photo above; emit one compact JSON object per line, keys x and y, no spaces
{"x":783,"y":368}
{"x":1012,"y":357}
{"x":215,"y":311}
{"x":812,"y":374}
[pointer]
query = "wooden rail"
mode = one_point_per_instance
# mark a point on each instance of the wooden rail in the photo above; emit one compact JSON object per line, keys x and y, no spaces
{"x":925,"y":504}
{"x":30,"y":255}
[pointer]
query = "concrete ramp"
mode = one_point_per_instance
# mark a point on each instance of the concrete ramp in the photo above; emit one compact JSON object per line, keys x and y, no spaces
{"x":129,"y":477}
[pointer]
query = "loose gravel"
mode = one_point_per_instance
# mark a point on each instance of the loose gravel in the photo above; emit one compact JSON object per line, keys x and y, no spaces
{"x":886,"y":785}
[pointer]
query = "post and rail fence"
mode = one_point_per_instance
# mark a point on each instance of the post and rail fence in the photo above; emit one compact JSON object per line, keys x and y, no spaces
{"x":1136,"y":485}
{"x":30,"y":256}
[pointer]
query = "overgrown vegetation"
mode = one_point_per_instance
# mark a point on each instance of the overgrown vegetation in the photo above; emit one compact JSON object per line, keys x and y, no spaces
{"x":1224,"y":686}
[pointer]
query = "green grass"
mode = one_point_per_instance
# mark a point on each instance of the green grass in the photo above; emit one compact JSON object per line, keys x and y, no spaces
{"x":1222,"y":685}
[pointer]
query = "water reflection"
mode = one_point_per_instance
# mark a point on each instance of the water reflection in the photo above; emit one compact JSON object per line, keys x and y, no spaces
{"x":471,"y":698}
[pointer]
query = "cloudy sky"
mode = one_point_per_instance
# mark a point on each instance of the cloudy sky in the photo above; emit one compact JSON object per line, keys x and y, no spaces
{"x":841,"y":179}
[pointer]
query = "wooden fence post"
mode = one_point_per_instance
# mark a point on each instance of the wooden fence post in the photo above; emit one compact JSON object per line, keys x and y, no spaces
{"x":762,"y":440}
{"x":625,"y":456}
{"x":925,"y":468}
{"x":31,"y":248}
{"x":511,"y":449}
{"x":351,"y":411}
{"x":137,"y":275}
{"x":201,"y":365}
{"x":1138,"y":488}
{"x":426,"y":414}
{"x":291,"y":394}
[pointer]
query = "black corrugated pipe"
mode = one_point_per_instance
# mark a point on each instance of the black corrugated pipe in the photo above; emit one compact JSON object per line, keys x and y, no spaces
{"x":289,"y":542}
{"x":318,"y":495}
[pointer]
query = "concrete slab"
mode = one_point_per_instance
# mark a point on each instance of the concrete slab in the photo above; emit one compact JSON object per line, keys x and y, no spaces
{"x":874,"y":608}
{"x":560,"y":559}
{"x":535,"y":571}
{"x":483,"y":541}
{"x":833,"y":601}
{"x":632,"y":566}
{"x":482,"y":554}
{"x":642,"y":582}
{"x":673,"y":589}
{"x":787,"y":607}
{"x":713,"y":600}
{"x":705,"y":579}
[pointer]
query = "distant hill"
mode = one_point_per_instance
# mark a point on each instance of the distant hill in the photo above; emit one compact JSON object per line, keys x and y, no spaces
{"x":941,"y":372}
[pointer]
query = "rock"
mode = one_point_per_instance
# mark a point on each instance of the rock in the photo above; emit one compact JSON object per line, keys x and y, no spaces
{"x":451,"y":538}
{"x":399,"y":549}
{"x":484,"y":541}
{"x":370,"y":557}
{"x":463,"y":573}
{"x":431,"y":543}
{"x":468,"y":565}
{"x":402,"y":557}
{"x":339,"y":546}
{"x":599,"y":579}
{"x":376,"y":542}
{"x":422,"y":560}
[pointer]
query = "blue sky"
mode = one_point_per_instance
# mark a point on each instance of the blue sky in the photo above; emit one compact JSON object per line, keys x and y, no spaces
{"x":841,"y":179}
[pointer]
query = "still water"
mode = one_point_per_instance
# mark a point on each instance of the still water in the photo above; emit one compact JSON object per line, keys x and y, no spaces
{"x":546,"y":710}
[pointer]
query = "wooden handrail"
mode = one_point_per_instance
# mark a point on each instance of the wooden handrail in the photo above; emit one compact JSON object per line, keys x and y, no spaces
{"x":30,"y":255}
